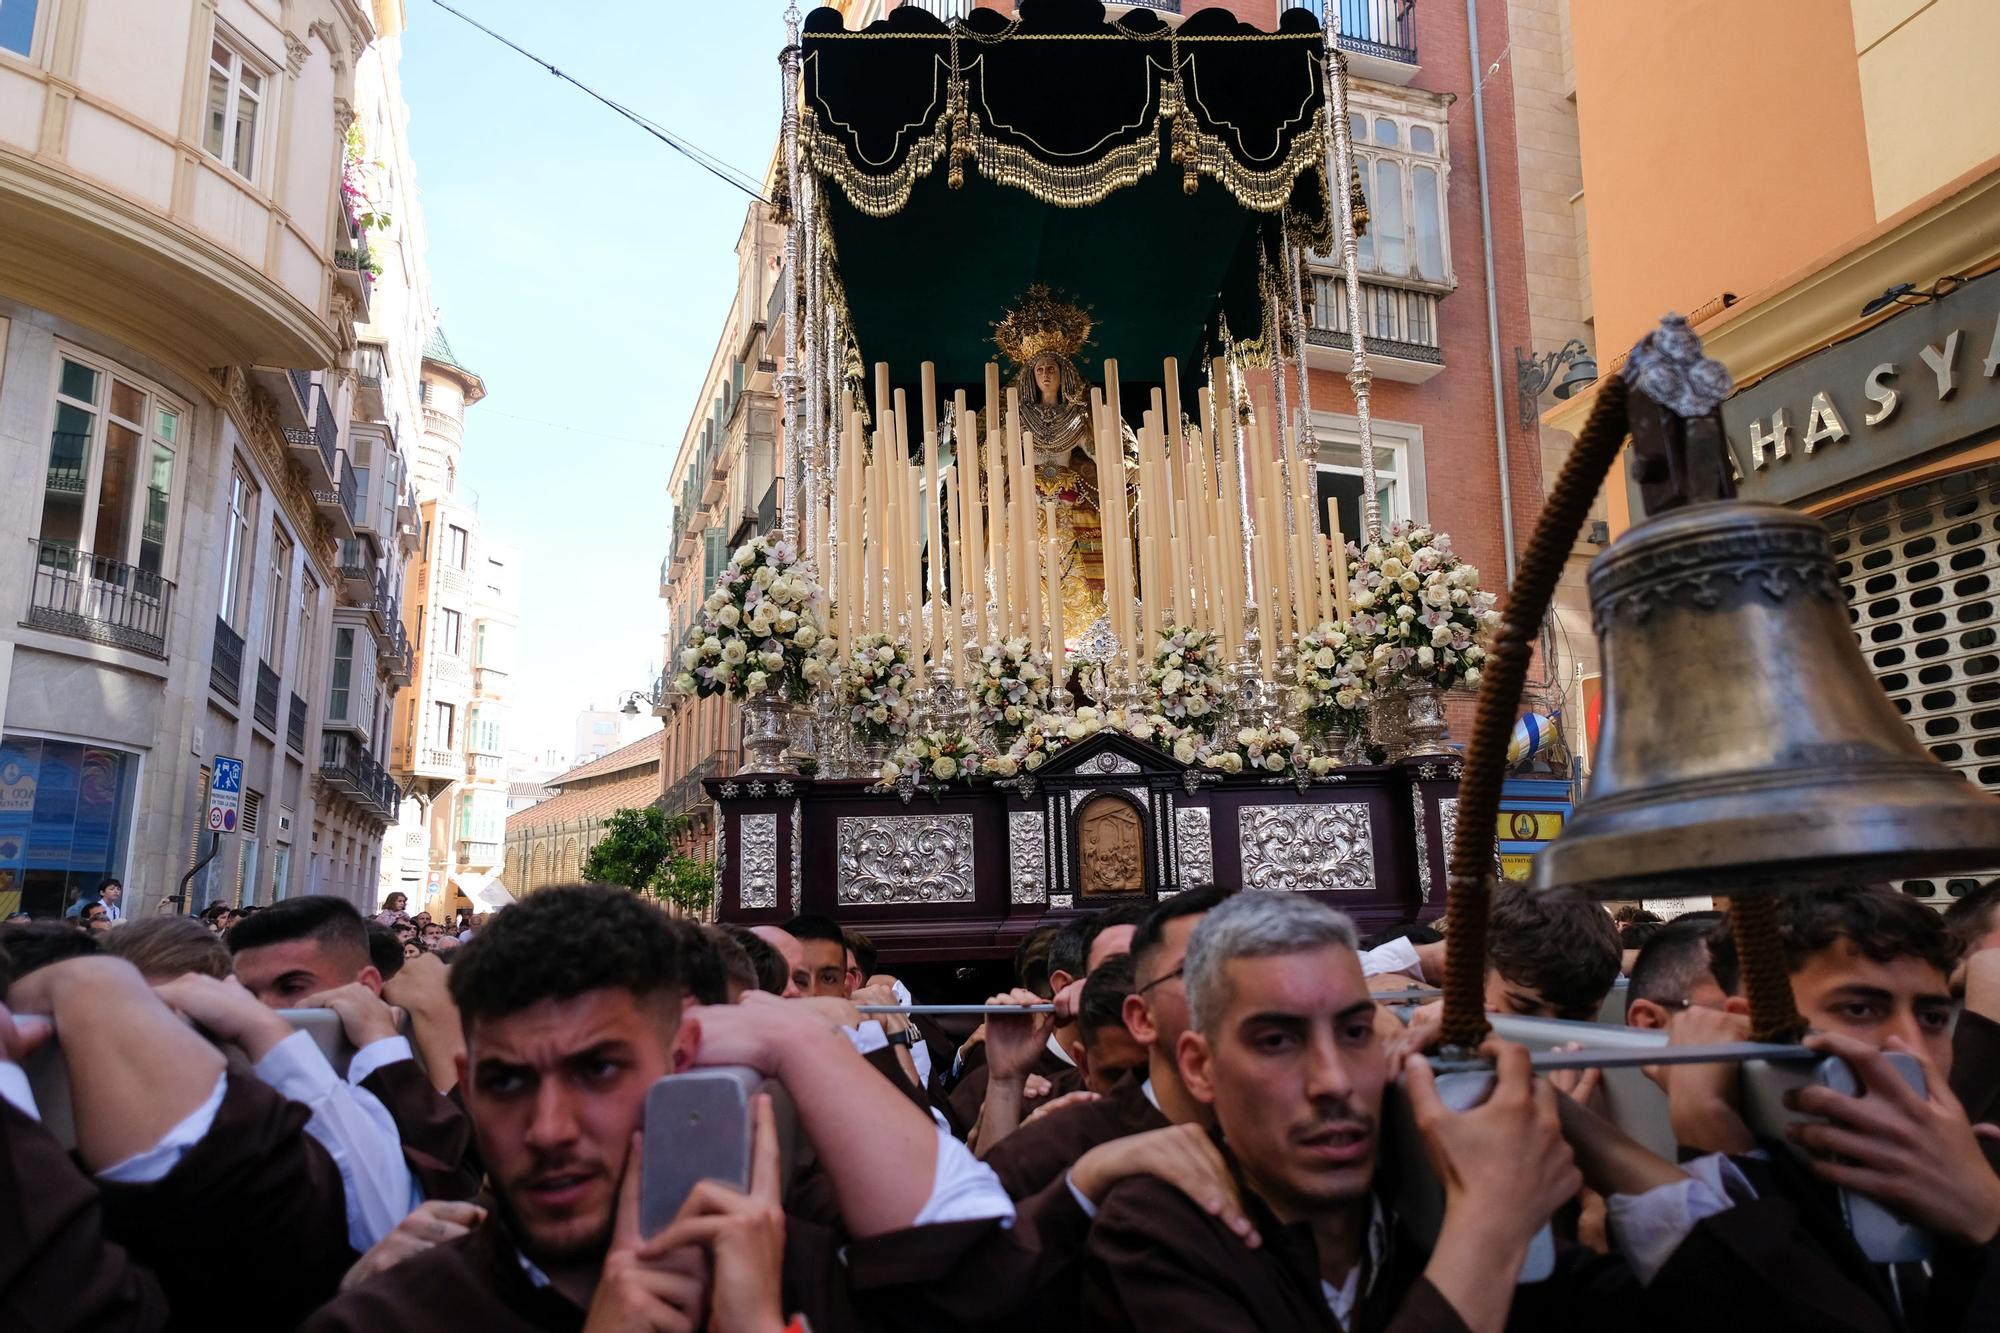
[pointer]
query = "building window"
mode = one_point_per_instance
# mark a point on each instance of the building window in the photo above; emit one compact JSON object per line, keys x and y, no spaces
{"x":17,"y":26}
{"x":1398,"y":472}
{"x":308,"y":615}
{"x":444,"y":724}
{"x":343,"y":675}
{"x":65,"y":811}
{"x":280,"y":577}
{"x":235,"y":99}
{"x":236,"y":550}
{"x":1403,"y":165}
{"x":450,"y":623}
{"x":110,"y":482}
{"x":455,"y":544}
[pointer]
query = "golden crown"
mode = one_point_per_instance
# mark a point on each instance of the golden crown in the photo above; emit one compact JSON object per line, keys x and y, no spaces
{"x":1042,"y":323}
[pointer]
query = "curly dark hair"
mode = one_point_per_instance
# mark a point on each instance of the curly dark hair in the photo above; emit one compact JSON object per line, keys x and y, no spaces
{"x":1104,"y":991}
{"x":562,"y":942}
{"x":1563,"y":946}
{"x":37,"y":944}
{"x":1883,"y":924}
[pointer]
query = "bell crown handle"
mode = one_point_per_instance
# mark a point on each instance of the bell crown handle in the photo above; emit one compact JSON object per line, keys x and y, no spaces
{"x":1680,"y":455}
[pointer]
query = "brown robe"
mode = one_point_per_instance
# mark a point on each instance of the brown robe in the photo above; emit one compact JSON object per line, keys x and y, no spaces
{"x":970,"y":1095}
{"x":1975,"y":1073}
{"x":58,"y":1270}
{"x":436,"y":1132}
{"x":250,"y":1224}
{"x":1035,"y":1156}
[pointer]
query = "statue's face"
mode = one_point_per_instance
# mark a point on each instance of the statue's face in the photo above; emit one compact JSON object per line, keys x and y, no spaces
{"x":1048,"y":379}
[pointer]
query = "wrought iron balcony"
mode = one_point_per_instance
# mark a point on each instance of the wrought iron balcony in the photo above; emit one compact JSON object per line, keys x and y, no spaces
{"x":347,"y":767}
{"x":351,"y":264}
{"x":336,"y":501}
{"x":1376,"y":30}
{"x":358,"y":573}
{"x":370,"y":370}
{"x":400,"y":659}
{"x":1399,"y":324}
{"x":767,"y":510}
{"x":295,"y":726}
{"x":92,"y":597}
{"x":225,"y":663}
{"x":265,"y":706}
{"x":316,"y":442}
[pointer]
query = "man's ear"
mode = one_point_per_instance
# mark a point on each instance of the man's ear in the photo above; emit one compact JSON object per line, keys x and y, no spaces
{"x":687,"y":1043}
{"x":1076,"y":1053}
{"x":1138,"y":1016}
{"x":1059,"y":979}
{"x":1649,"y":1014}
{"x":1737,"y":1004}
{"x":371,"y":977}
{"x":1194,"y":1058}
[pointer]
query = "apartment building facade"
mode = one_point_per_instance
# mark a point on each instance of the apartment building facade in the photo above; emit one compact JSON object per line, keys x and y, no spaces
{"x":1860,"y":329}
{"x":462,"y":593}
{"x":1433,"y":341}
{"x":183,"y":287}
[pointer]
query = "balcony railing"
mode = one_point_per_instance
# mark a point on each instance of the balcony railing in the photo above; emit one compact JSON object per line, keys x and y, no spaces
{"x":319,"y":435}
{"x":1396,"y":321}
{"x":295,"y":726}
{"x":99,"y":599}
{"x":265,"y":708}
{"x":347,"y":767}
{"x":225,"y":664}
{"x":767,"y":510}
{"x":400,"y":659}
{"x":1385,"y":29}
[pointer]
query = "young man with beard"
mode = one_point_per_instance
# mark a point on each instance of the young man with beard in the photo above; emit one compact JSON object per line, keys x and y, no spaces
{"x":1283,"y":1046}
{"x":571,"y":1004}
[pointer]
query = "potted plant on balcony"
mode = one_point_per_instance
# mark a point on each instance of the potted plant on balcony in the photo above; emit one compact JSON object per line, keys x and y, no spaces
{"x":762,"y":641}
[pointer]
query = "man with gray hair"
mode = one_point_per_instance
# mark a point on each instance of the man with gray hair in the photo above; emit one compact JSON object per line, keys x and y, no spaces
{"x":1283,"y":1047}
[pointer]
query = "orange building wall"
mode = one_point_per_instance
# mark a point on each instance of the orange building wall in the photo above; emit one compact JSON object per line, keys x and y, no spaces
{"x":1723,"y":148}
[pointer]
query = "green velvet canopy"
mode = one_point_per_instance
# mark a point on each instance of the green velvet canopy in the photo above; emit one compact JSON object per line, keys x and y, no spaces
{"x":1140,"y":170}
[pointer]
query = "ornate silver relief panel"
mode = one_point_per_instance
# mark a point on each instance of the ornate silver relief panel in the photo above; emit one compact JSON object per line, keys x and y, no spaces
{"x":757,"y":886}
{"x":1298,"y":848}
{"x":1027,"y":856}
{"x":1424,"y":846}
{"x":1448,"y":818}
{"x":798,"y":844}
{"x":1194,"y":849}
{"x":904,"y":859}
{"x":1109,"y":763}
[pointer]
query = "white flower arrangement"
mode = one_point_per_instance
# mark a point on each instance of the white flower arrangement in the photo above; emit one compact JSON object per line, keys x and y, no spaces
{"x":877,"y":687}
{"x":1265,"y":751}
{"x":762,"y":629}
{"x":1419,"y":616}
{"x":1188,"y":677}
{"x":935,"y":758}
{"x":1050,"y":733}
{"x":1011,"y":690}
{"x":1331,"y":691}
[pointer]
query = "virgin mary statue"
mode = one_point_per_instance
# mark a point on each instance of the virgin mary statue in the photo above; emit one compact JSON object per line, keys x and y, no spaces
{"x":1042,"y":337}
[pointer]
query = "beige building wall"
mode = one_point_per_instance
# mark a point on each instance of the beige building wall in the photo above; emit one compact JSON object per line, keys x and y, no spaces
{"x":1929,"y":100}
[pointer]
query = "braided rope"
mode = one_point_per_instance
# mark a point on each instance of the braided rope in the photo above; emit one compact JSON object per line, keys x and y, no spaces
{"x":1472,"y":851}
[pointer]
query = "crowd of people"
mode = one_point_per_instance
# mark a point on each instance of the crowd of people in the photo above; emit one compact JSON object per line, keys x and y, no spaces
{"x":1209,"y":1113}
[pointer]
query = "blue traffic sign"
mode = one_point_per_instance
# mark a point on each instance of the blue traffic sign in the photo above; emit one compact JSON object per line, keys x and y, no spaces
{"x":225,"y":793}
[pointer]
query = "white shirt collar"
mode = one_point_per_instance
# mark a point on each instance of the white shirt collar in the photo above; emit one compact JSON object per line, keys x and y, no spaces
{"x":1342,"y":1299}
{"x":1146,"y":1089}
{"x":1060,"y":1053}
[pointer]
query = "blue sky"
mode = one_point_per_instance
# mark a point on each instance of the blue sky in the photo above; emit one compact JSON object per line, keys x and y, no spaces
{"x":583,"y":269}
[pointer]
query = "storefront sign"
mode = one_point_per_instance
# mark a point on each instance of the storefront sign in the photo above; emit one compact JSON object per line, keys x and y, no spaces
{"x":1927,"y":379}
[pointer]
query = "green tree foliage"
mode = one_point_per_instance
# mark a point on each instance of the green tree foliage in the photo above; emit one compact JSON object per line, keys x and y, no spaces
{"x":636,"y":847}
{"x":686,"y":883}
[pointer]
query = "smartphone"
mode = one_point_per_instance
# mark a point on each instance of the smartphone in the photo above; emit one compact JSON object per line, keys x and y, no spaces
{"x":697,"y":1128}
{"x":1419,"y":1194}
{"x":1882,"y":1235}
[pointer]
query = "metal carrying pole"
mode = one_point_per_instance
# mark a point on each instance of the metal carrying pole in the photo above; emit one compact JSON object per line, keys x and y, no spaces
{"x":1339,"y":172}
{"x":788,"y":379}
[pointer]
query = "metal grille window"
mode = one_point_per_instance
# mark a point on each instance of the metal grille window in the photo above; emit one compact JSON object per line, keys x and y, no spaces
{"x":1921,"y":568}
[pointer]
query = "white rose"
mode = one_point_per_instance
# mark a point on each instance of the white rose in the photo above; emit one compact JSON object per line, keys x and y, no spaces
{"x":755,"y":682}
{"x":878,"y":714}
{"x":773,"y":661}
{"x":690,"y":659}
{"x":1172,"y":682}
{"x":1184,"y":749}
{"x":734,"y":652}
{"x":945,"y":769}
{"x":1472,"y":678}
{"x":813,"y":672}
{"x":1347,"y":698}
{"x":888,"y":772}
{"x":1409,"y":583}
{"x":806,"y":637}
{"x":1076,"y":731}
{"x":1034,"y":761}
{"x":1392,"y":568}
{"x":745,"y":556}
{"x":729,"y":617}
{"x":1426,"y":656}
{"x":1004,"y":764}
{"x":762,"y":578}
{"x":1275,"y":762}
{"x":1440,"y":635}
{"x":711,"y":645}
{"x":788,"y":621}
{"x":684,"y":683}
{"x":1232,"y":763}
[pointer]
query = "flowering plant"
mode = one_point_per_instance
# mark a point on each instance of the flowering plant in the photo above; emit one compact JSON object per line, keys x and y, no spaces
{"x":1187,"y":676}
{"x":1050,"y":733}
{"x":761,"y":629}
{"x":1263,"y":750}
{"x":1419,"y":616}
{"x":1012,"y":689}
{"x":935,"y":758}
{"x":876,"y":688}
{"x":1331,"y":689}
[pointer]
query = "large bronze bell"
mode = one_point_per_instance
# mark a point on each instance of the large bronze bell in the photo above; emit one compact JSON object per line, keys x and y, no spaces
{"x":1745,"y":745}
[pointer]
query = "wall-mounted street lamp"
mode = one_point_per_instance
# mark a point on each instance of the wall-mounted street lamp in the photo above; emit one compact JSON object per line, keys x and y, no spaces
{"x":1532,"y":374}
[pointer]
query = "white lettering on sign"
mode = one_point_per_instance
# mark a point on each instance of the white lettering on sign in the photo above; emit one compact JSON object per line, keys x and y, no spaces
{"x":1881,"y":394}
{"x":1823,"y":424}
{"x":1941,"y":364}
{"x":1774,"y":440}
{"x":1992,"y":362}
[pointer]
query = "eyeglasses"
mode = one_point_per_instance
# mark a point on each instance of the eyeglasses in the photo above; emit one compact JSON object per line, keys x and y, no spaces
{"x":1179,"y":971}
